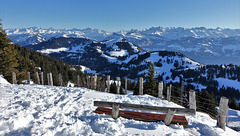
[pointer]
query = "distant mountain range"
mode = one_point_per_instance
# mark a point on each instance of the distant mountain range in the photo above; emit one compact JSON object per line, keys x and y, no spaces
{"x":208,"y":46}
{"x":129,"y":54}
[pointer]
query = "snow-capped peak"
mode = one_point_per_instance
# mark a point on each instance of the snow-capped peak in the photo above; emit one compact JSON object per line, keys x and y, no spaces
{"x":221,"y":42}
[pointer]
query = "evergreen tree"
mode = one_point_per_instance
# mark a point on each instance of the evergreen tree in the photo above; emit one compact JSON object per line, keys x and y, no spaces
{"x":176,"y":92}
{"x":136,"y":89}
{"x":233,"y":104}
{"x":113,"y":88}
{"x":176,"y":63}
{"x":206,"y":103}
{"x":150,"y":86}
{"x":131,"y":85}
{"x":8,"y":61}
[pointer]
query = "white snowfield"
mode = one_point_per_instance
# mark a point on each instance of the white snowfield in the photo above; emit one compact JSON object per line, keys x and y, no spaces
{"x":45,"y":110}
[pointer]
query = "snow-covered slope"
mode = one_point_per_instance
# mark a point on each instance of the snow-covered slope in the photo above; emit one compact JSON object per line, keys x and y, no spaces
{"x":119,"y":56}
{"x":234,"y":119}
{"x":3,"y":80}
{"x":45,"y":110}
{"x":209,"y":46}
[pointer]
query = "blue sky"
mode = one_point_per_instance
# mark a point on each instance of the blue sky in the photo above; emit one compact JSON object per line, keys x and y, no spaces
{"x":114,"y":15}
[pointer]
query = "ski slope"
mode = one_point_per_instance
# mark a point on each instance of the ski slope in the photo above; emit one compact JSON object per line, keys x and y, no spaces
{"x":45,"y":110}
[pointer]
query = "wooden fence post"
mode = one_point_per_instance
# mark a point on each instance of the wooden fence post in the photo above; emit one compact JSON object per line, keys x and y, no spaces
{"x":87,"y":82}
{"x":222,"y":113}
{"x":95,"y":82}
{"x":126,"y":85}
{"x":192,"y":100}
{"x":38,"y":78}
{"x":14,"y":79}
{"x":42,"y":78}
{"x":91,"y":82}
{"x":140,"y":86}
{"x":115,"y":111}
{"x":170,"y":91}
{"x":102,"y":85}
{"x":160,"y":90}
{"x":108,"y":83}
{"x":48,"y":78}
{"x":28,"y":77}
{"x":168,"y":94}
{"x":227,"y":116}
{"x":78,"y":80}
{"x":51,"y":79}
{"x":182,"y":90}
{"x":169,"y":117}
{"x":118,"y":85}
{"x":60,"y":80}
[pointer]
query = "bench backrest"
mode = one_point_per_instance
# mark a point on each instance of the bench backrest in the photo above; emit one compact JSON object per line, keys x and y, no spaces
{"x":145,"y":107}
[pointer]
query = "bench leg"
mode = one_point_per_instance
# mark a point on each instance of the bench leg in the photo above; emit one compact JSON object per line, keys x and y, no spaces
{"x":169,"y":117}
{"x":115,"y":111}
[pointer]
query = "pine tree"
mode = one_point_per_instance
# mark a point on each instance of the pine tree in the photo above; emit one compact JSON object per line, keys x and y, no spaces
{"x":132,"y":85}
{"x":206,"y":103}
{"x":233,"y":104}
{"x":150,"y":86}
{"x":136,"y":88}
{"x":113,"y":88}
{"x":8,"y":60}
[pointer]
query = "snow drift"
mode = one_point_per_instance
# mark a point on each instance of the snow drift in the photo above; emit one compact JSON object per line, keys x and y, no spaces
{"x":46,"y":110}
{"x":3,"y":80}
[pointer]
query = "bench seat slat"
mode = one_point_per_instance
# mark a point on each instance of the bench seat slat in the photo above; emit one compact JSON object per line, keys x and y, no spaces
{"x":148,"y":117}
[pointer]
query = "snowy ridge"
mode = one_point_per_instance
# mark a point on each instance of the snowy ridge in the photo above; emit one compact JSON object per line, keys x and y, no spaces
{"x":119,"y":56}
{"x":21,"y":36}
{"x":99,"y":35}
{"x":198,"y":32}
{"x":45,"y":110}
{"x":168,"y":64}
{"x":48,"y":51}
{"x":209,"y":46}
{"x":228,"y":83}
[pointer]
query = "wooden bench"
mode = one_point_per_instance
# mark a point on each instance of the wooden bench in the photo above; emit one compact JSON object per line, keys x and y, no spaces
{"x":168,"y":118}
